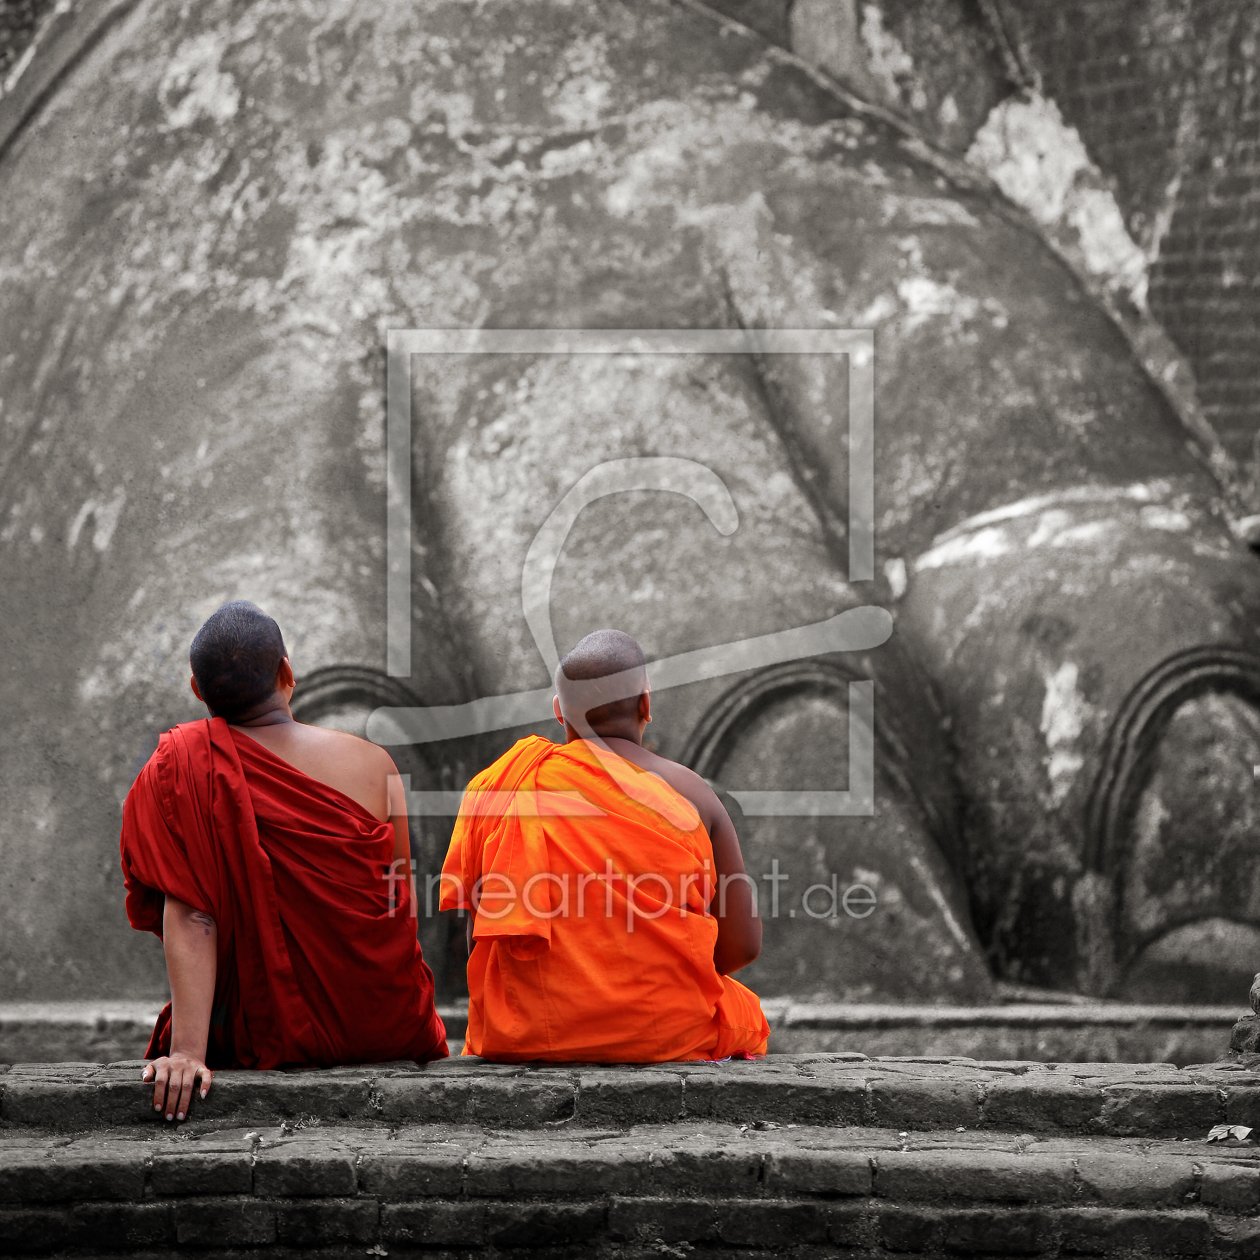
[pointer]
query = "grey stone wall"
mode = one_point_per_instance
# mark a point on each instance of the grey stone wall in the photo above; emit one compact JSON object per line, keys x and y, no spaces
{"x":1163,"y":97}
{"x":19,"y":20}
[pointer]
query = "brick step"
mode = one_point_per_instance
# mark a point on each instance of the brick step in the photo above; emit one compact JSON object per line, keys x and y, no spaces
{"x":1151,"y":1100}
{"x":717,"y":1188}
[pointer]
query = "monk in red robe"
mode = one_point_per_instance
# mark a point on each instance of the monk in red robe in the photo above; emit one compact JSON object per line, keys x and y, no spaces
{"x":608,"y":898}
{"x":272,"y":858}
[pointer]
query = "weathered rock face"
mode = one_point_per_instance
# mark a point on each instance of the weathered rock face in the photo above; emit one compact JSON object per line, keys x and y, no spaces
{"x":1073,"y":640}
{"x":1072,"y":584}
{"x":207,"y":233}
{"x":1179,"y":146}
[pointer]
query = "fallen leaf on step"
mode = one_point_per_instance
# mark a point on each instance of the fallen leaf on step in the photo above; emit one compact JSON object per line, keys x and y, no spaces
{"x":1219,"y":1132}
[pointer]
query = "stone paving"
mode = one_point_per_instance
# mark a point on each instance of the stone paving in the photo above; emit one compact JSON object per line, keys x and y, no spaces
{"x":801,"y":1155}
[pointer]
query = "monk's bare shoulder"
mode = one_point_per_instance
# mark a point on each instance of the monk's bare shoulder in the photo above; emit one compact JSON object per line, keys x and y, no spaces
{"x":350,"y":750}
{"x":727,"y":855}
{"x":358,"y":767}
{"x":330,"y":735}
{"x":686,"y":782}
{"x":365,"y":746}
{"x":352,"y":765}
{"x":368,"y":760}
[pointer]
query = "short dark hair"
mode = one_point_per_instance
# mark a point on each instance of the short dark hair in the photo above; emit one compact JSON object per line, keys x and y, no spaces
{"x":235,"y":658}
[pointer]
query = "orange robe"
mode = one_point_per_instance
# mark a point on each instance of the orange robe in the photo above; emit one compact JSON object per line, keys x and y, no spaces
{"x":592,"y":936}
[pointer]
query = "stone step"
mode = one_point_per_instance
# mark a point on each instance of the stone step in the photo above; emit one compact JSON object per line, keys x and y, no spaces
{"x":1045,"y":1031}
{"x":1125,"y":1100}
{"x":103,"y":1031}
{"x":581,"y":1189}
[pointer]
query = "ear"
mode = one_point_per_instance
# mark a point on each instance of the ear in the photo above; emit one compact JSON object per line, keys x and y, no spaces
{"x":284,"y":676}
{"x":645,"y":705}
{"x":193,"y":683}
{"x":555,"y":708}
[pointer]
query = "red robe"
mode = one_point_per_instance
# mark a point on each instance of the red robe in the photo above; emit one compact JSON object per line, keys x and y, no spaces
{"x":313,"y":969}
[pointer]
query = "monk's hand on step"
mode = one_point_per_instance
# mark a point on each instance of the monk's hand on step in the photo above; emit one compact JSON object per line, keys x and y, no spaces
{"x":174,"y":1078}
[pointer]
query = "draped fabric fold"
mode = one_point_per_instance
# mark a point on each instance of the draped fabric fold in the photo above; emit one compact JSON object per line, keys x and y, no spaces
{"x":513,"y":853}
{"x":318,"y":962}
{"x":593,"y":939}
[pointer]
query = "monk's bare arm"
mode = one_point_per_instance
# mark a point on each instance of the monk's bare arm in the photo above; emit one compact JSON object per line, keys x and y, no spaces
{"x":402,"y":833}
{"x":734,"y":903}
{"x":190,"y":939}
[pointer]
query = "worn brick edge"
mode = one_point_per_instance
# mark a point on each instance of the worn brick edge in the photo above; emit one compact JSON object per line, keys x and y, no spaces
{"x":809,"y":1090}
{"x":912,"y":1201}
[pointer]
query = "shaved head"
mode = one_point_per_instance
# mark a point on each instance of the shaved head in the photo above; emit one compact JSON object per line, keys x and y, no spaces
{"x":234,"y":659}
{"x":602,"y":679}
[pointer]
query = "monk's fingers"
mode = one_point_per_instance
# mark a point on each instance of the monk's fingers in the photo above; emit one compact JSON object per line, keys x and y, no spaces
{"x":161,"y":1070}
{"x":206,"y":1077}
{"x":147,"y":1075}
{"x":173,"y":1086}
{"x":185,"y":1093}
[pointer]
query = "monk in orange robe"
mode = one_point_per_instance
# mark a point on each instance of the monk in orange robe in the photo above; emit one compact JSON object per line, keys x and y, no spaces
{"x":273,"y":860}
{"x":607,"y":891}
